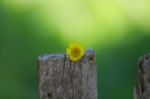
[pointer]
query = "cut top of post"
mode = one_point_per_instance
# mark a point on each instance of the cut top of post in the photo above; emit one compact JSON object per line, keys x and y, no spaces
{"x":90,"y":53}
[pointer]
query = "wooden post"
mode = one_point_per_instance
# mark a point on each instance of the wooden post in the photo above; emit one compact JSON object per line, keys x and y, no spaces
{"x":60,"y":78}
{"x":142,"y":89}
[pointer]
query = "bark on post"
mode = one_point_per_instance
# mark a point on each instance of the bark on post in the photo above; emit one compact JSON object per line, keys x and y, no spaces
{"x":60,"y":78}
{"x":142,"y":89}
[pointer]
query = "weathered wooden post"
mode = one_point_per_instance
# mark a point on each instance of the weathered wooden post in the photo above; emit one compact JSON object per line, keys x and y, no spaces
{"x":142,"y":89}
{"x":60,"y":78}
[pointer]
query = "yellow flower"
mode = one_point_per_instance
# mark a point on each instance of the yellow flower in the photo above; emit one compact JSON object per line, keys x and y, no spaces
{"x":75,"y":52}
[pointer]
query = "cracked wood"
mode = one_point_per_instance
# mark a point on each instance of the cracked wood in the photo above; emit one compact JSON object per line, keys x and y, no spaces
{"x":60,"y":78}
{"x":142,"y":88}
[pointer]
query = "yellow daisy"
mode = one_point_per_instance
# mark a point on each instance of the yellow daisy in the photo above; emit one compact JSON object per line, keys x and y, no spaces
{"x":75,"y":52}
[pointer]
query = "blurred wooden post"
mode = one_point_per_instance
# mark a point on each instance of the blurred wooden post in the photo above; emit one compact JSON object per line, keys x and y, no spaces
{"x":142,"y":89}
{"x":60,"y":78}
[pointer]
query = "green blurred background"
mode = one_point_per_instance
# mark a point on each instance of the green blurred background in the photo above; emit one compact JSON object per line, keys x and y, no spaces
{"x":118,"y":30}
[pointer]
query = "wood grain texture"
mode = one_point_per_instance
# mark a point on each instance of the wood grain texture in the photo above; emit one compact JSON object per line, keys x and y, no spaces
{"x":142,"y":89}
{"x":60,"y":78}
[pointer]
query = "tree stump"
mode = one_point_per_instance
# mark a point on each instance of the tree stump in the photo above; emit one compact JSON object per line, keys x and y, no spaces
{"x":60,"y":78}
{"x":142,"y":89}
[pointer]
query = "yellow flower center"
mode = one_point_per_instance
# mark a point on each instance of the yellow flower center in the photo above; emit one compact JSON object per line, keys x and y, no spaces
{"x":75,"y":52}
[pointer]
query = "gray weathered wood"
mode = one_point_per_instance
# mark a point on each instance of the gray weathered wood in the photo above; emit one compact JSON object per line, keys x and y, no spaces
{"x":142,"y":89}
{"x":60,"y":78}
